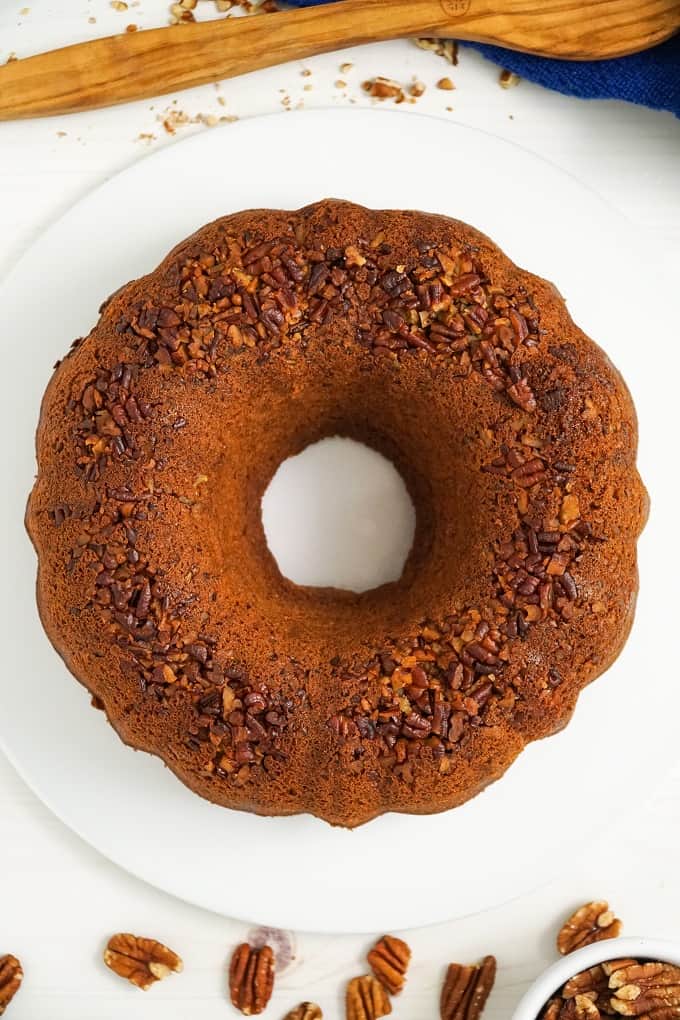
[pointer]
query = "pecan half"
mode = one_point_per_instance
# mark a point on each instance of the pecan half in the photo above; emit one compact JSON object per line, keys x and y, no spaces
{"x":141,"y":961}
{"x":11,"y":976}
{"x":581,"y":1007}
{"x":366,"y":999}
{"x":251,"y":978}
{"x":389,"y":960}
{"x":590,"y":923}
{"x":594,"y":983}
{"x":466,"y":989}
{"x":305,"y":1011}
{"x":646,"y":989}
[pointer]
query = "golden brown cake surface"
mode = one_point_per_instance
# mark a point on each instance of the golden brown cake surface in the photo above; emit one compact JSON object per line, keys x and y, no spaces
{"x":266,"y":331}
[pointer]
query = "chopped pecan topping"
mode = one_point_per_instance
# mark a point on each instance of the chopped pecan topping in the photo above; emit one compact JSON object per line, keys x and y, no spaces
{"x":424,"y":697}
{"x":592,"y":922}
{"x":366,"y":999}
{"x":239,"y":726}
{"x":389,"y":960}
{"x":646,"y":990}
{"x":251,"y":978}
{"x":251,"y":296}
{"x":466,"y":989}
{"x":11,"y":976}
{"x":141,"y":961}
{"x":305,"y":1011}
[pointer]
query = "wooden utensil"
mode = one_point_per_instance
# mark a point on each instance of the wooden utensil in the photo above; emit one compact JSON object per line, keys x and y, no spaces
{"x":139,"y":65}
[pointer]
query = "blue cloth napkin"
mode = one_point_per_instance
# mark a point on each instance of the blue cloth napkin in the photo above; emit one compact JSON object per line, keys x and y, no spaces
{"x":651,"y":78}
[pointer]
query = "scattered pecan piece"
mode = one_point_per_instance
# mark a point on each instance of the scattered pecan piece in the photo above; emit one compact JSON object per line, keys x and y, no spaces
{"x":305,"y":1011}
{"x":384,"y":88}
{"x":466,"y":989}
{"x":366,"y":999}
{"x":251,"y":978}
{"x":11,"y":976}
{"x":141,"y":961}
{"x":646,"y":989}
{"x":590,"y":923}
{"x":389,"y":960}
{"x":508,"y":79}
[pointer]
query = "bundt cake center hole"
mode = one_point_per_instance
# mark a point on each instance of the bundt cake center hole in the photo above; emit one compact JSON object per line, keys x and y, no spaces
{"x":339,"y":515}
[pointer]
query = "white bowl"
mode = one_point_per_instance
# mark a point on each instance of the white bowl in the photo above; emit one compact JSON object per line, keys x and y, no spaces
{"x":609,"y":949}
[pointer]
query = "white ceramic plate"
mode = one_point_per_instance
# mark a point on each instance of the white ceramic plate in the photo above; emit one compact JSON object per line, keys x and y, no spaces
{"x":298,"y":872}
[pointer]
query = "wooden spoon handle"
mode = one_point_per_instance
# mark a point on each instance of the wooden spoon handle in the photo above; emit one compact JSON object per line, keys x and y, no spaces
{"x":140,"y":65}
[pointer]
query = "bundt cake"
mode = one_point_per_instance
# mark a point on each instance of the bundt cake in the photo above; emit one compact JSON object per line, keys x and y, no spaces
{"x":260,"y":334}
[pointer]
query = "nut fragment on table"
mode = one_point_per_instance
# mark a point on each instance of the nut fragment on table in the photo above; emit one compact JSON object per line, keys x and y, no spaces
{"x":251,"y":978}
{"x":141,"y":961}
{"x":305,"y":1011}
{"x":508,"y":79}
{"x":592,"y":922}
{"x":466,"y":989}
{"x":366,"y":999}
{"x":11,"y":976}
{"x":384,"y":88}
{"x":389,"y":960}
{"x":446,"y":48}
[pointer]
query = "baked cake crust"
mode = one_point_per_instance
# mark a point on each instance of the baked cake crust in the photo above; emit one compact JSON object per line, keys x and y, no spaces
{"x":266,"y":331}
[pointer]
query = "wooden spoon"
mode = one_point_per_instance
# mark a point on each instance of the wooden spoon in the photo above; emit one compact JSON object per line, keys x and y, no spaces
{"x":139,"y":65}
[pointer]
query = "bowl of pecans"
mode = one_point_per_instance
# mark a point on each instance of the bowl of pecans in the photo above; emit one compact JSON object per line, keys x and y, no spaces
{"x":629,"y":977}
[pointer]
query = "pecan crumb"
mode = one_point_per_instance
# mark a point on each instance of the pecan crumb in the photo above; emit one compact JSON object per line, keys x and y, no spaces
{"x":389,"y":960}
{"x":446,"y":48}
{"x":508,"y":79}
{"x":11,"y":976}
{"x":384,"y":88}
{"x":251,"y":978}
{"x":466,"y":989}
{"x":366,"y":999}
{"x":141,"y":961}
{"x":592,"y":922}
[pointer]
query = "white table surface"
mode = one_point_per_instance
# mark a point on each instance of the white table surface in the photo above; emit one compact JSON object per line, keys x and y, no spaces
{"x":59,"y":900}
